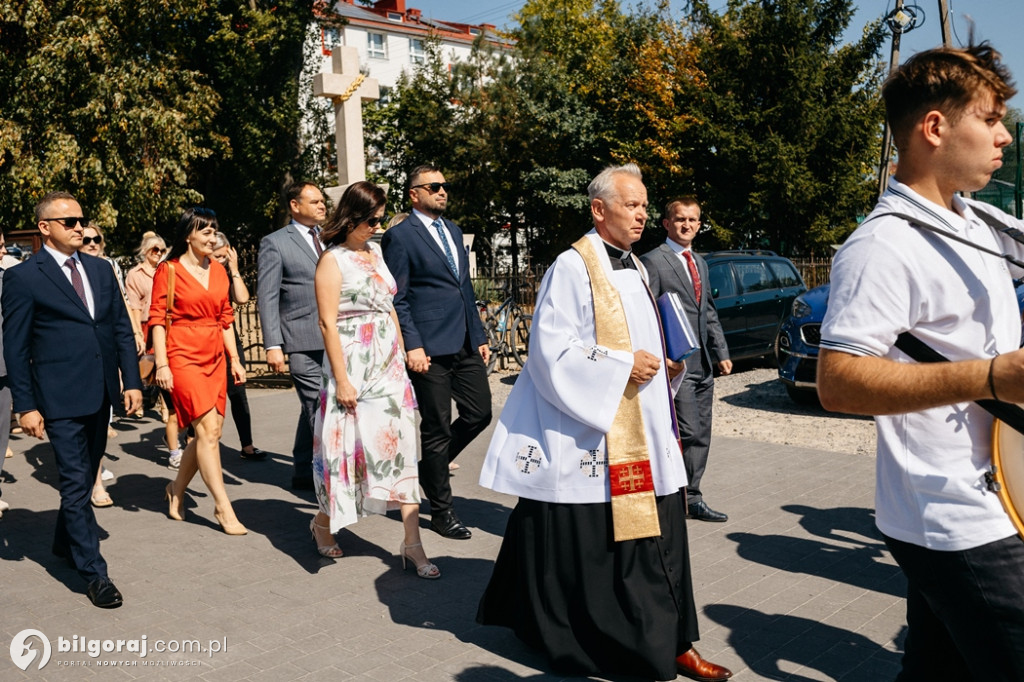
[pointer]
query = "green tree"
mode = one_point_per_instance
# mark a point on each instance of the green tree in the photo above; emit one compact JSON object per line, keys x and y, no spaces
{"x":252,"y":53}
{"x":98,"y":101}
{"x":142,"y":108}
{"x":789,"y":125}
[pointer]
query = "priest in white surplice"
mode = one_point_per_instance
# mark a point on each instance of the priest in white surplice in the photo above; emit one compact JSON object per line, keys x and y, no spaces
{"x":594,"y":566}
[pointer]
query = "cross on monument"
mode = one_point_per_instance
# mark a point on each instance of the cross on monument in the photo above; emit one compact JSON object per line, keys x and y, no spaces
{"x":348,"y":89}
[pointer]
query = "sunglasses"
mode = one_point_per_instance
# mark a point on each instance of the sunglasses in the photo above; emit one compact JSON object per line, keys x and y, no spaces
{"x":92,"y":240}
{"x":68,"y":223}
{"x":375,"y":221}
{"x":433,"y":187}
{"x":155,"y":249}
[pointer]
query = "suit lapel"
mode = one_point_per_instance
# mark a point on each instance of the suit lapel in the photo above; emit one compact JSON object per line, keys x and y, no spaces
{"x":423,"y":232}
{"x":93,"y":271}
{"x":677,"y":265}
{"x":300,"y":241}
{"x":48,"y":267}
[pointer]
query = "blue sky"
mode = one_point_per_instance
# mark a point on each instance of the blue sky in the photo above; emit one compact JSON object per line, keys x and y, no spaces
{"x":999,"y":21}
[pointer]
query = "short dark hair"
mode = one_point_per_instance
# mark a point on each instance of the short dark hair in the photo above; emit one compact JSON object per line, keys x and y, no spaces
{"x":292,"y":191}
{"x":416,"y":172}
{"x":359,"y":202}
{"x":946,"y":79}
{"x":192,"y":220}
{"x":51,"y":197}
{"x":684,"y":200}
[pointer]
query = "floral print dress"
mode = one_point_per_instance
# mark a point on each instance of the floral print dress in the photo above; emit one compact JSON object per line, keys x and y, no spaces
{"x":365,"y":461}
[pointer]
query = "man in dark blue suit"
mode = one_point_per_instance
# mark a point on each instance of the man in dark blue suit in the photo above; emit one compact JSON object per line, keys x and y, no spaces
{"x":66,"y":336}
{"x":446,"y":347}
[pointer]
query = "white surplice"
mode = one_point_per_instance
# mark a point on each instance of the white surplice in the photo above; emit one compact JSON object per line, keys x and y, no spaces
{"x":549,"y":443}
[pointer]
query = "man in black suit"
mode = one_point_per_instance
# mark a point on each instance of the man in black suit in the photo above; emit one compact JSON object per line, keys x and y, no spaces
{"x":674,"y":266}
{"x":66,"y":337}
{"x":446,"y":347}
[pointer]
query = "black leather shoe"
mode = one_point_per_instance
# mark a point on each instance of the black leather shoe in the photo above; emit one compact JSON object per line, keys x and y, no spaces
{"x":448,"y":525}
{"x":103,"y":594}
{"x":256,"y":456}
{"x":302,"y":482}
{"x":702,"y":512}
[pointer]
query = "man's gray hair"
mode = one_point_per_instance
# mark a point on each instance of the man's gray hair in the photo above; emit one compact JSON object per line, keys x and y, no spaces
{"x":603,"y":186}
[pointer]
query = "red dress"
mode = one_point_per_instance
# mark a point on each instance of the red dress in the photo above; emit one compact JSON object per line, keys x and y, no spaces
{"x":195,"y":342}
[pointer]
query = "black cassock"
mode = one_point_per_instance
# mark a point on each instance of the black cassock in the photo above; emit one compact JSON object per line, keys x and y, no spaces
{"x":592,"y":605}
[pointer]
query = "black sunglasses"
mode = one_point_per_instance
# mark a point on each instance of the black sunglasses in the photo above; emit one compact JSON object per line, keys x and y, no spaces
{"x":69,"y":223}
{"x":434,"y":187}
{"x":92,"y":240}
{"x":375,"y":221}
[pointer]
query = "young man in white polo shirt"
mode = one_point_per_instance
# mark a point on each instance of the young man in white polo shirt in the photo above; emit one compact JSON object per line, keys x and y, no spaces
{"x":956,"y":545}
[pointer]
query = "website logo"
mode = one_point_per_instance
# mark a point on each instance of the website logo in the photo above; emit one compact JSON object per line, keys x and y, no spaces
{"x":23,"y":653}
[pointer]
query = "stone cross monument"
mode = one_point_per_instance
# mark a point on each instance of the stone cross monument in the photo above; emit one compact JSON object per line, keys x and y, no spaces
{"x":348,"y":89}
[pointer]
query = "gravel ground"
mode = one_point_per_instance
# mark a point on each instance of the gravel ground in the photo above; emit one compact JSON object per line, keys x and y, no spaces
{"x":751,"y":403}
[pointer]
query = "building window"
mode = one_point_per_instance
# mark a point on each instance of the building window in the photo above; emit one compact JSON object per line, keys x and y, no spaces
{"x":417,"y":54}
{"x":474,"y":31}
{"x":331,"y":38}
{"x":394,"y":16}
{"x":375,"y":46}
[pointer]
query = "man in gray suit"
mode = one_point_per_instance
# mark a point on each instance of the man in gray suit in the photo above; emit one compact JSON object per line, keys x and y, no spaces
{"x":288,"y":314}
{"x":674,"y":266}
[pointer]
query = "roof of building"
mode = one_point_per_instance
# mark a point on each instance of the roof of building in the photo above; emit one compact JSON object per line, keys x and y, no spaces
{"x":393,"y":15}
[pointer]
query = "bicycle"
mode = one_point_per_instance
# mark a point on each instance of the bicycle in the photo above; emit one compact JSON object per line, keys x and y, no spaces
{"x":508,"y":332}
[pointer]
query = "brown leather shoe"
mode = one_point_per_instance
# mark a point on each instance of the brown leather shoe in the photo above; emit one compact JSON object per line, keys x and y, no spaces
{"x":693,"y":666}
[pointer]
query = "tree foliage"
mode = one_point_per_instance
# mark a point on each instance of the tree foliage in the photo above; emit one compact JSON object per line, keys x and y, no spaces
{"x":142,"y":108}
{"x":789,"y":125}
{"x":759,"y":110}
{"x":98,"y":101}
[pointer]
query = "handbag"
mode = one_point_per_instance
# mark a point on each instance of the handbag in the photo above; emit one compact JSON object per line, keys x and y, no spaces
{"x":147,"y":363}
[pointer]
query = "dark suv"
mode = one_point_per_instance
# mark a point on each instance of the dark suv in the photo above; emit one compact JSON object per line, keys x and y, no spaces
{"x":753,"y":291}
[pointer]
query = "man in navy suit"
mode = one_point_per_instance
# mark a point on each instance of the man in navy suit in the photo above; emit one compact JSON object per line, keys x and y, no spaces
{"x":66,"y":336}
{"x":446,"y":347}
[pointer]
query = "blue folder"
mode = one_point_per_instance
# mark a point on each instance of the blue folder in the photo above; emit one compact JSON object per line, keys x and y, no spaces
{"x":680,"y":341}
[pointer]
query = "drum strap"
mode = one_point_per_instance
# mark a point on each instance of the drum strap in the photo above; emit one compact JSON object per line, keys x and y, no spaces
{"x":1010,"y":414}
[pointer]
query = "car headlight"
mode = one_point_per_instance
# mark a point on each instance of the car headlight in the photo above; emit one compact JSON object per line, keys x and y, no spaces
{"x":800,"y":307}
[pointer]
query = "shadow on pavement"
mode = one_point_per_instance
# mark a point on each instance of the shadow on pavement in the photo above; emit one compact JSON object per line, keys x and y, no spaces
{"x":765,"y":640}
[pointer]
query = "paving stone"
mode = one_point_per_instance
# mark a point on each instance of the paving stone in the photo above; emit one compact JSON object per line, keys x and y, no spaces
{"x":796,"y":585}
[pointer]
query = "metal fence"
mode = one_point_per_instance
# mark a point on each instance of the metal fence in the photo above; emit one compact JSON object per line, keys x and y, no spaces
{"x":490,"y":287}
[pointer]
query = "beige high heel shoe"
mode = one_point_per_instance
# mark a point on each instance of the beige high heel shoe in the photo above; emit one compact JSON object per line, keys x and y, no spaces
{"x":427,"y":570}
{"x":329,"y":551}
{"x":175,"y":511}
{"x":230,"y":526}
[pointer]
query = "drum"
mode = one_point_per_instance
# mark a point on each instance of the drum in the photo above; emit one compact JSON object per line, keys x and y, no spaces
{"x":1008,"y":462}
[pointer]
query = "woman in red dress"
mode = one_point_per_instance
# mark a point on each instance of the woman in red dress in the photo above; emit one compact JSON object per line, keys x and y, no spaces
{"x":190,"y":356}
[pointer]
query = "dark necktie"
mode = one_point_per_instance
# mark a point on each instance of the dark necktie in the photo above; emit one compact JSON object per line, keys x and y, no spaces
{"x":316,"y":241}
{"x":76,"y":280}
{"x":447,"y":249}
{"x":694,"y":275}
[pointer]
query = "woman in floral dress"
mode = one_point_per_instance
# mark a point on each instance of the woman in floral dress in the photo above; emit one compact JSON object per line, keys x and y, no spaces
{"x":364,"y":443}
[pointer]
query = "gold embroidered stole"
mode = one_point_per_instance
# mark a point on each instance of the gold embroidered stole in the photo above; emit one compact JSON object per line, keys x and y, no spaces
{"x":634,"y":514}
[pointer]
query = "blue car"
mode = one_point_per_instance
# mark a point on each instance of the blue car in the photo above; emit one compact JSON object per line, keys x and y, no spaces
{"x":796,"y":346}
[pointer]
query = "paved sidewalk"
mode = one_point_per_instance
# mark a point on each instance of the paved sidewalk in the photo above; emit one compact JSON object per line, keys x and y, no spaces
{"x":796,"y":586}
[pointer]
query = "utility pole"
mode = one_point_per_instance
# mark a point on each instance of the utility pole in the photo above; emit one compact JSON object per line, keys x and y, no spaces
{"x":947,"y":33}
{"x":894,"y":62}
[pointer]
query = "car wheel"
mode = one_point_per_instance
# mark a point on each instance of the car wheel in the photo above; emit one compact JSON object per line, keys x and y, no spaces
{"x":803,"y":396}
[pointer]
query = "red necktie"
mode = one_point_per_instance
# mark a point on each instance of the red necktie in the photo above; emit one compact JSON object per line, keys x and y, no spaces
{"x":694,"y":275}
{"x":76,"y":280}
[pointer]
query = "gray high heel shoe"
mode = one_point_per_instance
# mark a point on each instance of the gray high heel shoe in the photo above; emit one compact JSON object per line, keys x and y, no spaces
{"x":427,"y":570}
